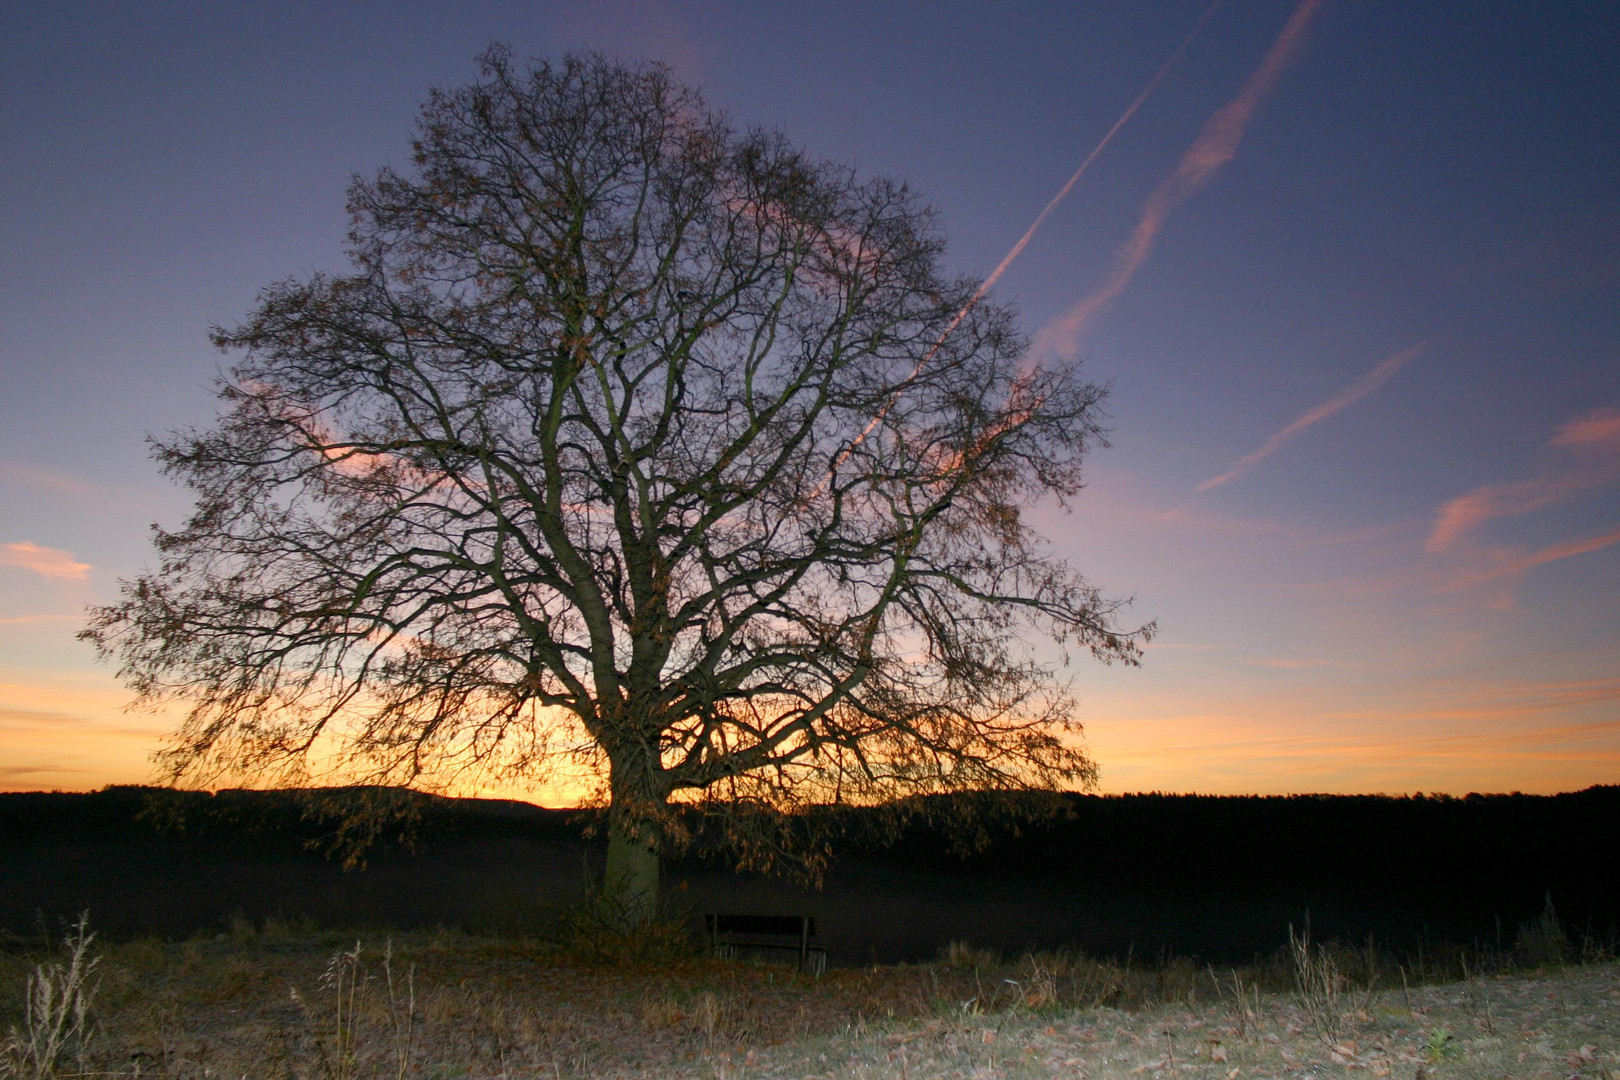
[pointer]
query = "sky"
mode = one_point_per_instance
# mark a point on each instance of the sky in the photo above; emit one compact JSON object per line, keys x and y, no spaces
{"x":1351,"y":269}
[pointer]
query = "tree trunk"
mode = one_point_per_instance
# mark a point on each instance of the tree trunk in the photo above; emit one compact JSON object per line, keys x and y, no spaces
{"x":630,"y":885}
{"x":635,"y":823}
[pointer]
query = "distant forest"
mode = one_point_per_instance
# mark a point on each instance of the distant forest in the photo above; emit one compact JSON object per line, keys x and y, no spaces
{"x":1215,"y":877}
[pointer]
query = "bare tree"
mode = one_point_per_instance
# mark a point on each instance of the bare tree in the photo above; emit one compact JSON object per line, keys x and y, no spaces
{"x":632,"y":444}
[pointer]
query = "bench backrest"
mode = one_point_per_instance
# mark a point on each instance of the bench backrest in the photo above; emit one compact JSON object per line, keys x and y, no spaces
{"x":798,"y":926}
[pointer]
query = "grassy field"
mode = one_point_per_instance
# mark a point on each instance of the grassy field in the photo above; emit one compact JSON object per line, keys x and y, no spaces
{"x":279,"y":1001}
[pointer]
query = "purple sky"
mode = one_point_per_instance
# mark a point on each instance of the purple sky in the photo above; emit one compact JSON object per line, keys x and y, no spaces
{"x":1352,"y":271}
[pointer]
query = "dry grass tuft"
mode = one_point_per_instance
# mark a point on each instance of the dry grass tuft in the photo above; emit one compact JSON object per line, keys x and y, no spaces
{"x":964,"y":955}
{"x":56,"y":1012}
{"x":1541,"y":942}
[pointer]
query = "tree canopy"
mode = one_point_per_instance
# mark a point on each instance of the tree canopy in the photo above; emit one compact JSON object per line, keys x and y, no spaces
{"x":633,"y":443}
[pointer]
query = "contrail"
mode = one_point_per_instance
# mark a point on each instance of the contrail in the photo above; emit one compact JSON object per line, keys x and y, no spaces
{"x":1345,"y":398}
{"x":1018,"y":248}
{"x":1216,"y":145}
{"x":1023,"y":241}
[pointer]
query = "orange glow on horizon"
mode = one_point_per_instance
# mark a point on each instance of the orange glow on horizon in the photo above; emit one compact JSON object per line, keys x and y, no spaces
{"x":72,"y":735}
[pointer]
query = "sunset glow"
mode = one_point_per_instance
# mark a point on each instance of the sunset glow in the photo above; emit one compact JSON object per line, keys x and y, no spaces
{"x":1349,"y":270}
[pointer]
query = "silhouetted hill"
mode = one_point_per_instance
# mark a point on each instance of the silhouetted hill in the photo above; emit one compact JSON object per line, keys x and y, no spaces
{"x":1219,"y":877}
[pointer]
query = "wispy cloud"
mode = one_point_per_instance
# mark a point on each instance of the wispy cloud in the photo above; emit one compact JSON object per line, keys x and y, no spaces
{"x":1357,"y":390}
{"x":1215,"y":145}
{"x":1594,"y":440}
{"x":1598,"y":430}
{"x":39,"y":719}
{"x":1460,"y":516}
{"x":1509,"y":564}
{"x":47,"y":562}
{"x":27,"y":620}
{"x":21,"y":473}
{"x":23,"y":777}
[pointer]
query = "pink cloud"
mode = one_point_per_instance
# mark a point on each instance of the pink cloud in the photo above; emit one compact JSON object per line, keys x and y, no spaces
{"x":1594,"y":436}
{"x":1462,"y":515}
{"x":32,"y":475}
{"x":47,"y":562}
{"x":1357,"y":390}
{"x":1518,"y":564}
{"x":1215,"y":145}
{"x":1597,"y":430}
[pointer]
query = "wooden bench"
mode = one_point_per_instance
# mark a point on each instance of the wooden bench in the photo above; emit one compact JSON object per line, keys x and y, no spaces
{"x":734,"y":937}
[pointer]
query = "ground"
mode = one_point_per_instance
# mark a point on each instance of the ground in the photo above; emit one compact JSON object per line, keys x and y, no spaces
{"x":271,"y":1002}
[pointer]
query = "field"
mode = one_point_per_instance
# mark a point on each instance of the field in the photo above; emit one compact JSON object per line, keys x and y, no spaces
{"x":271,"y":1000}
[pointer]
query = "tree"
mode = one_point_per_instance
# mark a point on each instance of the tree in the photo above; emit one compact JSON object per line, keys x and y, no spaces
{"x":635,"y":444}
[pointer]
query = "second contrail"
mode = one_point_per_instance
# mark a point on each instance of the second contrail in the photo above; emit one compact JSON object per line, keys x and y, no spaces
{"x":1018,"y":248}
{"x":1023,"y":241}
